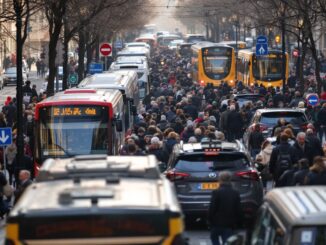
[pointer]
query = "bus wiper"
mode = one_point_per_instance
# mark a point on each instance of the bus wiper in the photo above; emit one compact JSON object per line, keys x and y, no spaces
{"x":63,"y":149}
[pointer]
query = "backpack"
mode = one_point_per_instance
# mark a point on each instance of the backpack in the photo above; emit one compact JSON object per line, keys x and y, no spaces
{"x":283,"y":162}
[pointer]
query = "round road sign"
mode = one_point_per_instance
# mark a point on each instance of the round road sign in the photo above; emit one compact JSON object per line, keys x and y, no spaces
{"x":105,"y":49}
{"x":312,"y":99}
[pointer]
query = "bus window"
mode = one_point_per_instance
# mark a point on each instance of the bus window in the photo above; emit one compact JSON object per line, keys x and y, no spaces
{"x":217,"y":62}
{"x":267,"y":67}
{"x":73,"y":130}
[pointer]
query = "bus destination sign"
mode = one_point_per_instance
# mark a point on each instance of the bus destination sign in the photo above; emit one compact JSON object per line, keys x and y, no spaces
{"x":76,"y":111}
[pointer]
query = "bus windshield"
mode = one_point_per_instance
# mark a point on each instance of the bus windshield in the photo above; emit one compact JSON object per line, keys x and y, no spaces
{"x":217,"y":62}
{"x":67,"y":131}
{"x":267,"y":68}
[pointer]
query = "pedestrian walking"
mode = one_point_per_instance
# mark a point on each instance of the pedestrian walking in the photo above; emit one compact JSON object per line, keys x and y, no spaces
{"x":282,"y":158}
{"x":256,"y":139}
{"x":225,"y":214}
{"x":25,"y":181}
{"x":317,"y":172}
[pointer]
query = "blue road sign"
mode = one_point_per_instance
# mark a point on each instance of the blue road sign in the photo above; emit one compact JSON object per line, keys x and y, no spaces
{"x":261,"y":39}
{"x":5,"y":136}
{"x":118,"y":44}
{"x":95,"y":68}
{"x":312,"y":99}
{"x":261,"y":49}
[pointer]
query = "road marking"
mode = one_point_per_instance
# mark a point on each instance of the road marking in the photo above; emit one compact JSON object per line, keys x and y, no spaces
{"x":202,"y":243}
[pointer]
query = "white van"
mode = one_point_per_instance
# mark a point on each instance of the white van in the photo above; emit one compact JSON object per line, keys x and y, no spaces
{"x":135,"y":51}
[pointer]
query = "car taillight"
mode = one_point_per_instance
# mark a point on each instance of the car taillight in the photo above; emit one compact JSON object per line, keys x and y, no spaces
{"x":250,"y":174}
{"x":173,"y":175}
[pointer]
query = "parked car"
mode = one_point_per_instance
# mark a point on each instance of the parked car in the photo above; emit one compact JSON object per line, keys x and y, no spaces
{"x":194,"y":169}
{"x":10,"y":76}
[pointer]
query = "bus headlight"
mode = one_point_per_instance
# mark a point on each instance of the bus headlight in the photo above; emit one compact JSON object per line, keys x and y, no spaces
{"x":202,"y":82}
{"x":269,"y":84}
{"x":231,"y":81}
{"x":251,"y":84}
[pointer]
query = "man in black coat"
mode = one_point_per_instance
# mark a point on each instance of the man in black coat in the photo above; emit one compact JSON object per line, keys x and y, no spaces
{"x":225,"y":213}
{"x":234,"y":124}
{"x":25,"y":181}
{"x":303,"y":148}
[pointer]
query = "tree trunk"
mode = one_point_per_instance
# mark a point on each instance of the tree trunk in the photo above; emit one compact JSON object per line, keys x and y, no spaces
{"x":52,"y":66}
{"x":317,"y":61}
{"x":81,"y":55}
{"x":302,"y":60}
{"x":19,"y":96}
{"x":65,"y":57}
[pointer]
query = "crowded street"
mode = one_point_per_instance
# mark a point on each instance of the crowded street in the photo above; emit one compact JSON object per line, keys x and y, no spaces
{"x":173,"y":123}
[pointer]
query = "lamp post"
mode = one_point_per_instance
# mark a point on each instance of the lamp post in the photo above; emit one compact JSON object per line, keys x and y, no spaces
{"x":283,"y":43}
{"x":236,"y":23}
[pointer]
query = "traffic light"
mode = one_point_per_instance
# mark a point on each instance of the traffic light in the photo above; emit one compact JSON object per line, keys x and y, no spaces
{"x":277,"y":39}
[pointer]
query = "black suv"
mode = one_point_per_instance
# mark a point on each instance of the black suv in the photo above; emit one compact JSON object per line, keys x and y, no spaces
{"x":194,"y":169}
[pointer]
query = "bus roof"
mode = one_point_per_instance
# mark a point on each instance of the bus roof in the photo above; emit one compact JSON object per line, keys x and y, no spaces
{"x":117,"y":79}
{"x":80,"y":96}
{"x":206,"y":44}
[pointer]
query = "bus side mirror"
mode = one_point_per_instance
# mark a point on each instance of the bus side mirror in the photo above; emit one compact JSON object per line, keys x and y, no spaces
{"x":118,"y":125}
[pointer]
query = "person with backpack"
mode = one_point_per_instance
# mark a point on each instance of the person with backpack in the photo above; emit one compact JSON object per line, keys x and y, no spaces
{"x":282,"y":158}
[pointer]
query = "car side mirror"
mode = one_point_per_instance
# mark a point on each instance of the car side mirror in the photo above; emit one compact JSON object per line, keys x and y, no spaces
{"x":237,"y":239}
{"x":118,"y":125}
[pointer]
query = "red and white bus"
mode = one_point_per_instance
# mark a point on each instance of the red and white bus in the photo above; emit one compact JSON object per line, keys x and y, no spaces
{"x":79,"y":122}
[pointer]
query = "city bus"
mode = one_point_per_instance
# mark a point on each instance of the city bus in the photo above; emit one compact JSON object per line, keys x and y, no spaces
{"x":137,"y":64}
{"x":78,"y":122}
{"x":266,"y":70}
{"x":163,"y":41}
{"x":213,"y":63}
{"x":126,"y":81}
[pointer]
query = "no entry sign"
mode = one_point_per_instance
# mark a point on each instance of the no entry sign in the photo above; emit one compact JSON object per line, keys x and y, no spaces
{"x":105,"y":49}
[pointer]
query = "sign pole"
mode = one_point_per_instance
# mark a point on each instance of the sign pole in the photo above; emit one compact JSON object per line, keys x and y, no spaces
{"x":4,"y":159}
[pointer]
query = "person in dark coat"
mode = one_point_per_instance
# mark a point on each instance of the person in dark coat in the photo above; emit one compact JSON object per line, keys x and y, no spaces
{"x":25,"y":181}
{"x":10,"y":112}
{"x":287,"y":178}
{"x":302,"y":148}
{"x":283,"y":148}
{"x":225,"y":213}
{"x":321,"y":122}
{"x":155,"y":148}
{"x":191,"y":110}
{"x":234,"y":124}
{"x":300,"y":175}
{"x":317,"y":173}
{"x":256,"y":139}
{"x":314,"y":142}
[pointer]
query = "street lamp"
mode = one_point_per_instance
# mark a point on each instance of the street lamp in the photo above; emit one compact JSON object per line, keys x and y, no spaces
{"x":236,"y":23}
{"x":283,"y":9}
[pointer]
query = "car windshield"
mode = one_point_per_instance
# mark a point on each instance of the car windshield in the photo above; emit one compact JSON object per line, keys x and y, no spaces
{"x":11,"y":70}
{"x":294,"y":118}
{"x":205,"y":163}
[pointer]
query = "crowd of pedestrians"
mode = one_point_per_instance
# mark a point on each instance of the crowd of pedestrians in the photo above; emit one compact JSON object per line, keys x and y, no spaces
{"x":177,"y":109}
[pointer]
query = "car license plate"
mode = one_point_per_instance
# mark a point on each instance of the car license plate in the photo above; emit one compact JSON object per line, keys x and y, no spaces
{"x":209,"y":186}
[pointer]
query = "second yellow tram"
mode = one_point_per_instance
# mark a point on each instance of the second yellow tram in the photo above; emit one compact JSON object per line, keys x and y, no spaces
{"x":266,"y":70}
